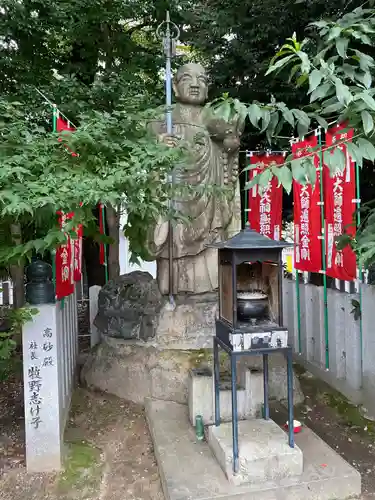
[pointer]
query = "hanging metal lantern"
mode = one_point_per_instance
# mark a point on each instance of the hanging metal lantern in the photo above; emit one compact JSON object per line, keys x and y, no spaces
{"x":39,"y":288}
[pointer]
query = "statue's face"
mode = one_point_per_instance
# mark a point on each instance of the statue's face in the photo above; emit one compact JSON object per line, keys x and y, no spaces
{"x":190,"y":84}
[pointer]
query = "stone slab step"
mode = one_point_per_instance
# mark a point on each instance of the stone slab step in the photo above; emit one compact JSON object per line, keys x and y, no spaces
{"x":189,"y":470}
{"x":264,"y":452}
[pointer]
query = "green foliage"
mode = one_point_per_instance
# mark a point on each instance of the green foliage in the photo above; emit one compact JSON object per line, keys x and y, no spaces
{"x":336,"y":69}
{"x":119,"y":163}
{"x":15,"y":318}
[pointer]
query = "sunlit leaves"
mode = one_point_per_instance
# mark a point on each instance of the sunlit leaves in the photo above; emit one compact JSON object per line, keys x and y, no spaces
{"x":368,"y":122}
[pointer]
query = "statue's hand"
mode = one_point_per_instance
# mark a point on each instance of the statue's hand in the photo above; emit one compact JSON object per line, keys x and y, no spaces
{"x":169,"y":140}
{"x":231,"y":143}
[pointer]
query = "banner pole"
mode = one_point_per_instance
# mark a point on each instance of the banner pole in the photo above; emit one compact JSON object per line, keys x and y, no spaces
{"x":324,"y":267}
{"x":247,"y":191}
{"x":54,"y":129}
{"x":298,"y":298}
{"x":360,"y":273}
{"x":105,"y":245}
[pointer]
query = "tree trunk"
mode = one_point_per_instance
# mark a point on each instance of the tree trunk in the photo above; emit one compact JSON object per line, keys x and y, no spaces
{"x":113,"y":224}
{"x":17,"y":271}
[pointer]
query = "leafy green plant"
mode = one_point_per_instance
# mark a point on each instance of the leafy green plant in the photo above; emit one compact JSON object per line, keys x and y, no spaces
{"x":336,"y":69}
{"x":13,"y":321}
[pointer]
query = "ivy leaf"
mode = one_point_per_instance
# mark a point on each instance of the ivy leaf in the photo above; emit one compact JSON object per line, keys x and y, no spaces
{"x":368,"y":122}
{"x":342,"y":46}
{"x":314,"y":79}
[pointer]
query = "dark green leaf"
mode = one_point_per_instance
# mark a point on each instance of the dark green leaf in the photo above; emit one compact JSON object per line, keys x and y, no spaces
{"x":255,"y":114}
{"x":321,"y":92}
{"x":335,"y":32}
{"x":298,"y":171}
{"x":366,"y":149}
{"x":266,"y":118}
{"x":265,"y":177}
{"x":279,"y":64}
{"x":366,"y":97}
{"x":342,"y":46}
{"x":322,"y":122}
{"x":368,"y":122}
{"x":354,"y":153}
{"x":288,"y":116}
{"x":284,"y":176}
{"x":314,"y":79}
{"x":343,"y":93}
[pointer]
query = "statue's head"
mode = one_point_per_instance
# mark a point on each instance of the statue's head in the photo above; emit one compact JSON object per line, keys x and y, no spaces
{"x":190,"y":84}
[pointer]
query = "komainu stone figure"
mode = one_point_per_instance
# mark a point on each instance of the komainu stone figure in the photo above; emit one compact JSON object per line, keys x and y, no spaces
{"x":213,"y":161}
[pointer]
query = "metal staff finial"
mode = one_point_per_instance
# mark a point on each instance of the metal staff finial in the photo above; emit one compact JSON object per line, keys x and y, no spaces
{"x":169,"y":33}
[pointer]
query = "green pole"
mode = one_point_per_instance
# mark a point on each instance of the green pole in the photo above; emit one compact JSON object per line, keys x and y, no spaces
{"x":324,"y":267}
{"x":360,"y":274}
{"x":105,"y":246}
{"x":298,"y":297}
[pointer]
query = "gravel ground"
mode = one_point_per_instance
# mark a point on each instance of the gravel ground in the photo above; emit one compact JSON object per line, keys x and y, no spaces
{"x":109,"y":449}
{"x":110,"y":457}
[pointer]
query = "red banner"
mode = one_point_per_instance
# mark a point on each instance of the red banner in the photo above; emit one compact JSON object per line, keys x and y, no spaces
{"x":61,"y":126}
{"x":339,"y":193}
{"x":75,"y":245}
{"x":307,"y":217}
{"x":77,"y":249}
{"x":265,"y":204}
{"x":64,"y":264}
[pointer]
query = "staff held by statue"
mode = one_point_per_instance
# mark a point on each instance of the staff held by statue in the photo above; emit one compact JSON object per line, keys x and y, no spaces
{"x":169,"y":46}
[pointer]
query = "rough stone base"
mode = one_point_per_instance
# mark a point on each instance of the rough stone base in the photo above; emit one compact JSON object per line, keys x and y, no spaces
{"x":135,"y":370}
{"x":264,"y":453}
{"x":189,"y":471}
{"x":202,"y":398}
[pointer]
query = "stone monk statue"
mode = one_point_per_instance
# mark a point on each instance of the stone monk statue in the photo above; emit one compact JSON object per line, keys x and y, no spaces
{"x":213,"y":146}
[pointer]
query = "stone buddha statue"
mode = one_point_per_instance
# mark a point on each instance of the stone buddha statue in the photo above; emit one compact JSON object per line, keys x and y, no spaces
{"x":212,"y":161}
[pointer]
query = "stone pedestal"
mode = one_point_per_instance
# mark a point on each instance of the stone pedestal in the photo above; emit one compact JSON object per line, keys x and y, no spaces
{"x":264,"y":453}
{"x":201,"y":396}
{"x":189,"y":470}
{"x":147,"y":349}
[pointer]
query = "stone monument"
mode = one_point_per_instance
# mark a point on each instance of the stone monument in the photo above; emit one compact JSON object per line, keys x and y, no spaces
{"x":148,"y":349}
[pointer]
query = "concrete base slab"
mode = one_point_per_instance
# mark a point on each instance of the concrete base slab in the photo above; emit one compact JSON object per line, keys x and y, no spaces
{"x":189,"y":471}
{"x":264,"y":453}
{"x":201,"y":397}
